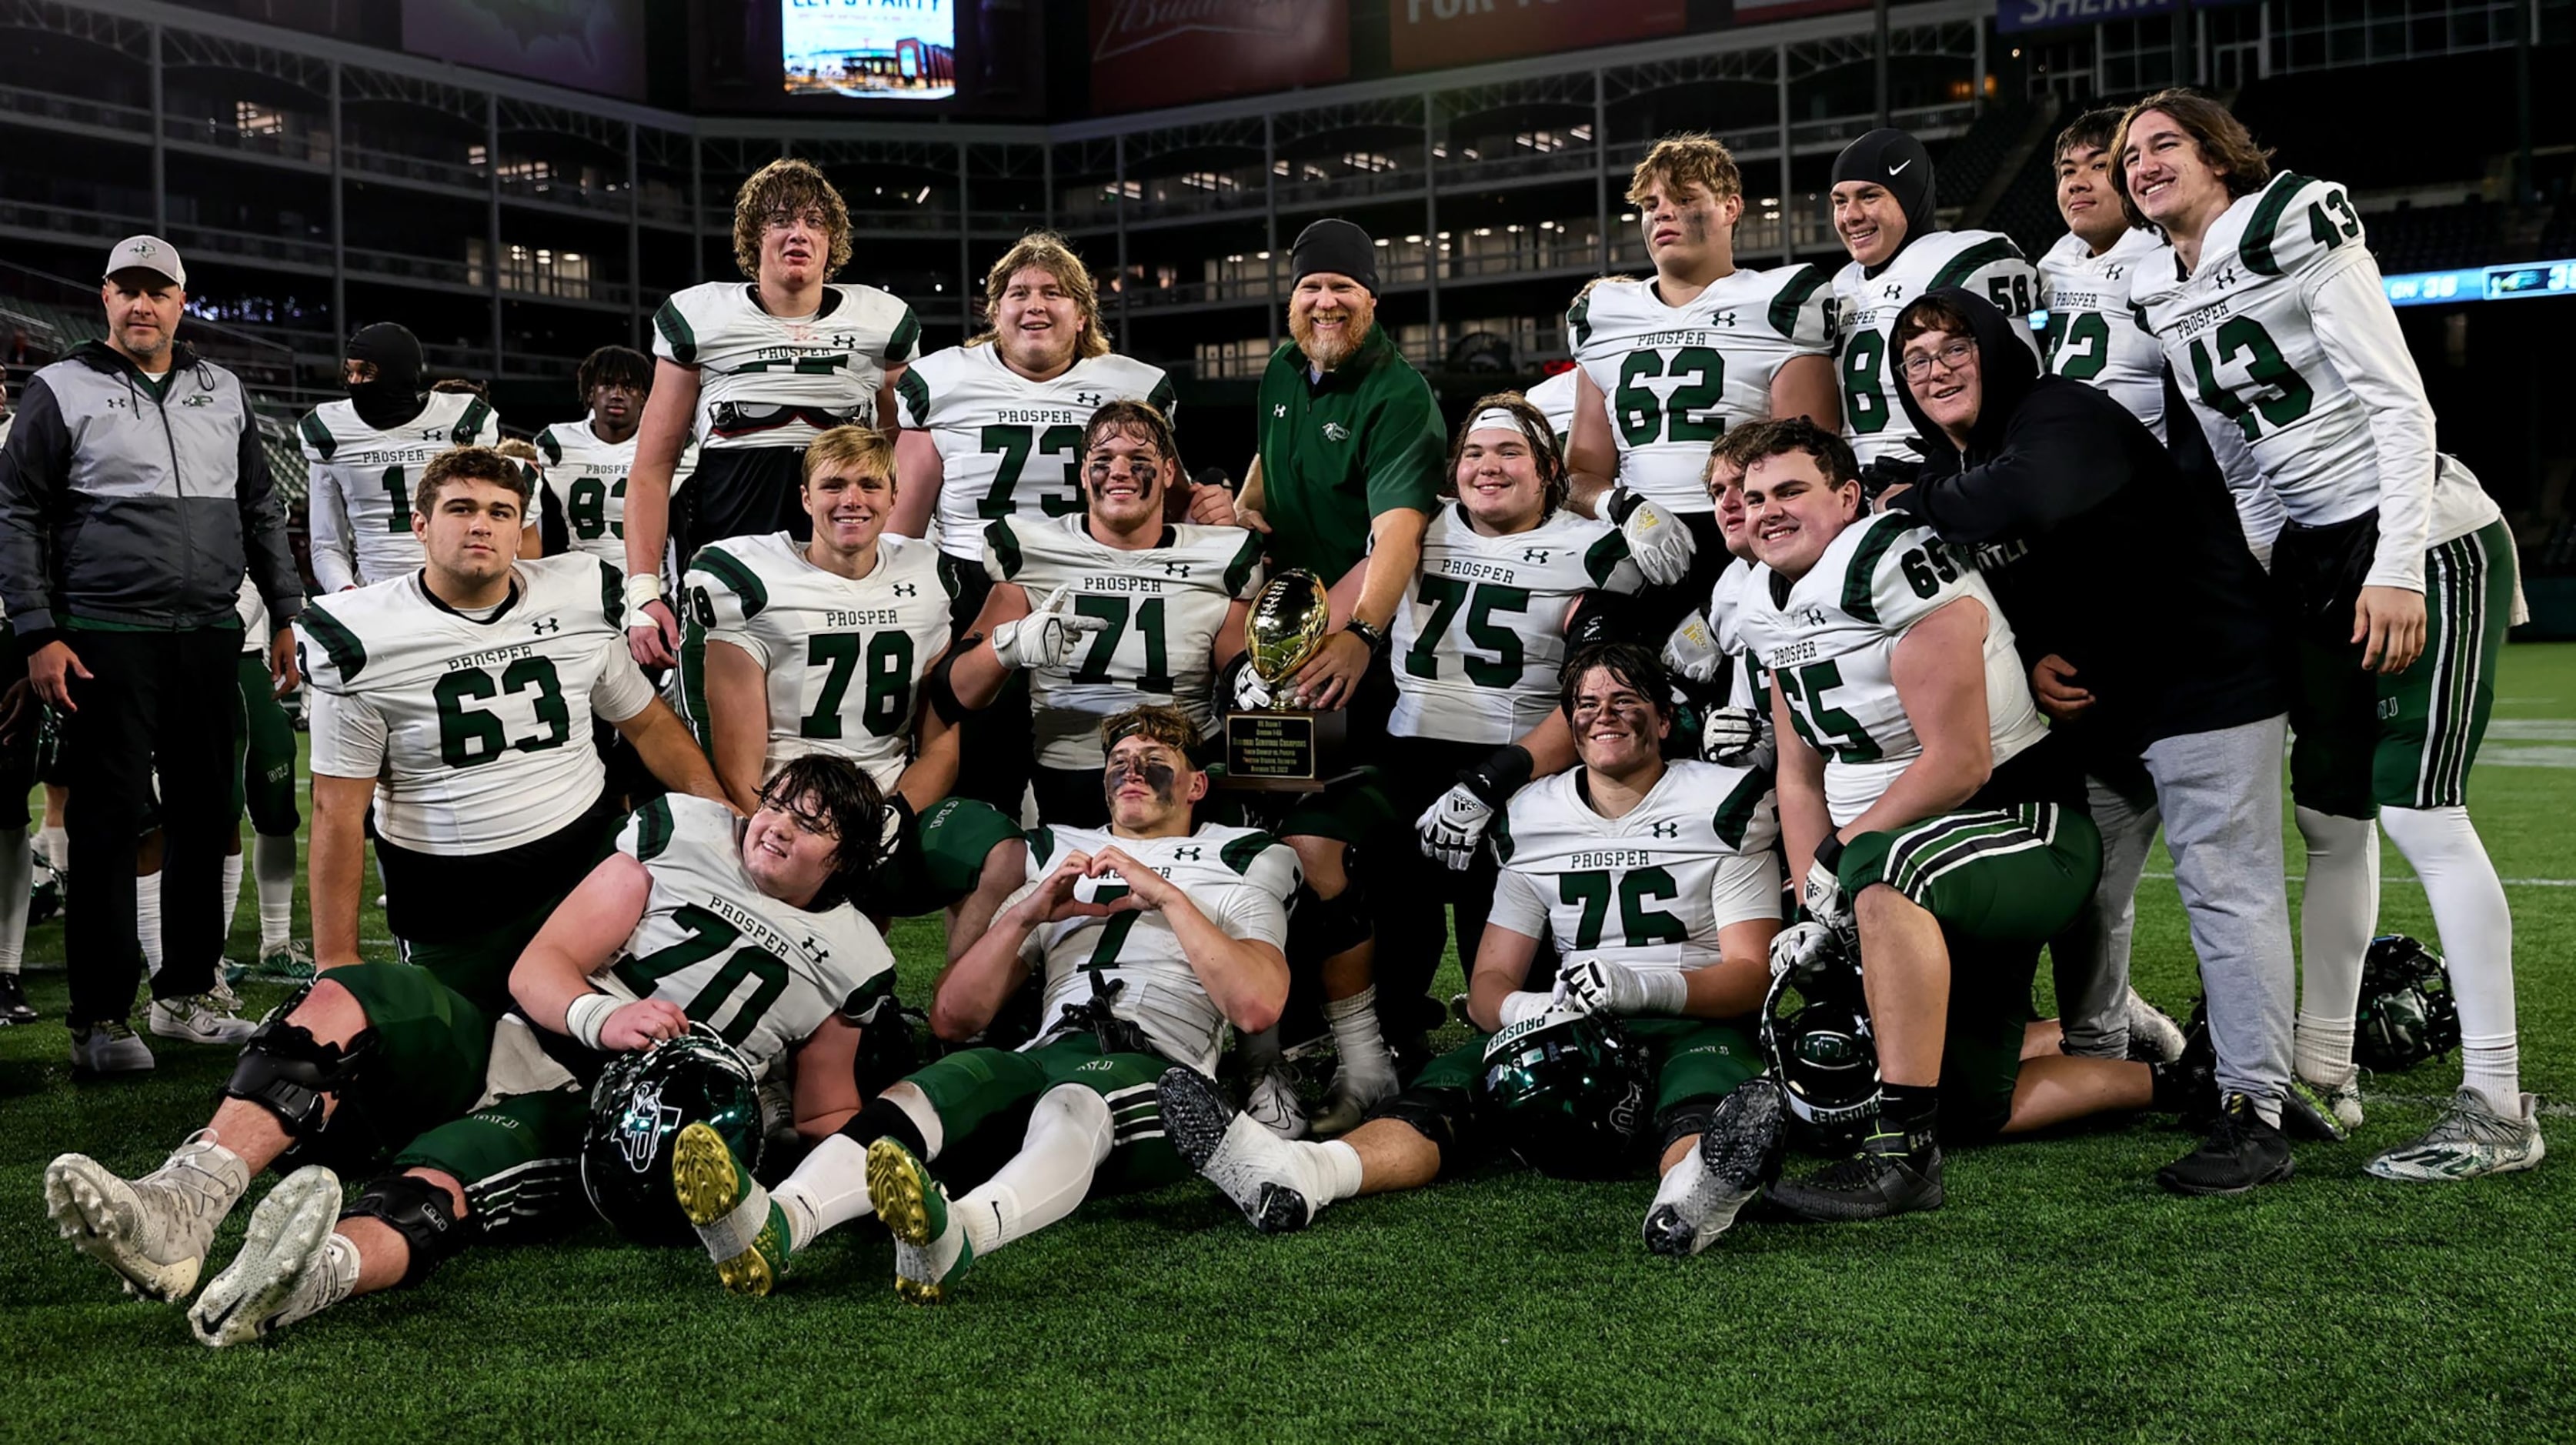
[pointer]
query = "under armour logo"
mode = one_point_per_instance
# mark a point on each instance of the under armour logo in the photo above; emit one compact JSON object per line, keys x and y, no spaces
{"x":1666,"y":830}
{"x":1176,"y":569}
{"x":1280,"y":409}
{"x":813,"y":947}
{"x":2114,"y":273}
{"x":1892,"y":290}
{"x":1087,"y":398}
{"x":1186,"y":855}
{"x":1537,"y":555}
{"x":1809,"y":616}
{"x":546,"y":626}
{"x":2227,"y":274}
{"x":432,"y":433}
{"x":1721,"y":318}
{"x":907,"y":589}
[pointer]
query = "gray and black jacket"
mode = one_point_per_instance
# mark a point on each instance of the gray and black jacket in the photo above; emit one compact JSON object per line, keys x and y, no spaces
{"x":122,"y":507}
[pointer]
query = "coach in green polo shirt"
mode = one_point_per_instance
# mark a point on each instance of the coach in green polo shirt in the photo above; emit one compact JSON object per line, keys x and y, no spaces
{"x":1351,"y":452}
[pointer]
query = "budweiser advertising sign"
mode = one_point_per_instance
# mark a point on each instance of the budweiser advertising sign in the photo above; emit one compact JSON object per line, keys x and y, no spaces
{"x":1147,"y":53}
{"x":1422,"y":34}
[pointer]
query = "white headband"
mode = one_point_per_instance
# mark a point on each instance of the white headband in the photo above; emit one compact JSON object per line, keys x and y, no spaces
{"x":1494,"y":416}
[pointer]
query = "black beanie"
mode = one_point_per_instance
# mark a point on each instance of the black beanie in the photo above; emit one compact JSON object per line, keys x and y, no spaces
{"x":1898,"y":162}
{"x":394,"y":396}
{"x":1336,"y":246}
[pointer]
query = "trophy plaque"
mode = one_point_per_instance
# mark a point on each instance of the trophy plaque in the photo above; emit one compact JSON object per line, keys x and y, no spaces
{"x":1284,"y":749}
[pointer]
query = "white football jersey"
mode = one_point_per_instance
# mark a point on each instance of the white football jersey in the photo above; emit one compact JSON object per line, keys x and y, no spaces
{"x":1480,"y":638}
{"x":773,"y":381}
{"x":1829,"y":641}
{"x":252,"y":609}
{"x":2286,"y":335}
{"x":1240,"y":878}
{"x":477,"y":733}
{"x":1747,"y":685}
{"x":843,"y":659}
{"x":1674,"y":378}
{"x":588,"y":479}
{"x":1009,"y":446}
{"x":1865,"y":309}
{"x":1647,"y":890}
{"x":1554,"y":399}
{"x":2093,"y":336}
{"x":1163,"y":605}
{"x":362,"y":481}
{"x":763,"y":973}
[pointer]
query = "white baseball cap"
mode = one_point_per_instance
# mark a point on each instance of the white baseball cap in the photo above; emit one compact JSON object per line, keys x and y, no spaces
{"x":147,"y":253}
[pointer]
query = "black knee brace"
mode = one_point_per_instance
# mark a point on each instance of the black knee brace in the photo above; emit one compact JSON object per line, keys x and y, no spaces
{"x":1682,"y":1120}
{"x":1438,"y":1114}
{"x":288,"y":1072}
{"x":1322,"y":927}
{"x":418,"y":1211}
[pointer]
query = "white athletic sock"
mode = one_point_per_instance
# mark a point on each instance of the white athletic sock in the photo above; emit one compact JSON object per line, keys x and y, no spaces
{"x":827,"y":1191}
{"x":2337,"y":915}
{"x":17,"y":871}
{"x":147,"y":920}
{"x":1069,"y":1134}
{"x":272,"y":866}
{"x":2477,"y":941}
{"x":1365,"y":1061}
{"x":1332,"y":1170}
{"x":57,"y":846}
{"x":230,"y":898}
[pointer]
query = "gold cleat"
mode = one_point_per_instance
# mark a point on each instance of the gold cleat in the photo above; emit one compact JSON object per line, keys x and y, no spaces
{"x":743,"y":1231}
{"x":928,"y":1247}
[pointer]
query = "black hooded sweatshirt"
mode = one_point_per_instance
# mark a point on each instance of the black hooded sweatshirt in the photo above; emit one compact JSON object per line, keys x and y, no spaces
{"x":2100,"y":550}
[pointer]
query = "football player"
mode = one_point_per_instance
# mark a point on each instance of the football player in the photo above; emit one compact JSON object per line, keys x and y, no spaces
{"x":454,"y":706}
{"x":755,"y":372}
{"x":698,"y":919}
{"x":365,"y":456}
{"x":1668,"y":364}
{"x":1882,"y":199}
{"x":993,"y":429}
{"x":1935,"y":823}
{"x":586,"y":463}
{"x":823,"y":646}
{"x":1152,"y":936}
{"x":1658,"y":885}
{"x":2395,"y":574}
{"x":1106,"y":608}
{"x":264,"y":786}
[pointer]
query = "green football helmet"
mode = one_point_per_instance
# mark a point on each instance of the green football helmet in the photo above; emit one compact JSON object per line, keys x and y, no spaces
{"x":1815,"y":1027}
{"x":1567,"y":1092}
{"x":2407,"y":1013}
{"x":637,"y":1109}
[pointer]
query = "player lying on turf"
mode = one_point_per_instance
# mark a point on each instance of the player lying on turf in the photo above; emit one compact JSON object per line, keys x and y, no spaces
{"x":1931,"y":815}
{"x":829,"y":646}
{"x":1153,"y":936}
{"x":1657,"y":882}
{"x":699,"y":916}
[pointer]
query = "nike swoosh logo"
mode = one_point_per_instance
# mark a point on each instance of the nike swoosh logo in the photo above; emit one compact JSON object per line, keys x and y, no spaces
{"x":1892,"y":170}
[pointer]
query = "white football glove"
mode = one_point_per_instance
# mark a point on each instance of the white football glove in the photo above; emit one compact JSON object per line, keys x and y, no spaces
{"x":1454,"y":826}
{"x":1692,"y":651}
{"x":1657,"y":540}
{"x":1047,"y":637}
{"x":1735,"y":737}
{"x":1593,"y":987}
{"x":1251,"y":694}
{"x":1822,"y":893}
{"x":1801,"y":949}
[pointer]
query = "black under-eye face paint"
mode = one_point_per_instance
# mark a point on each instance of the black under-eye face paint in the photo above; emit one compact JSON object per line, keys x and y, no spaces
{"x":1157,"y":774}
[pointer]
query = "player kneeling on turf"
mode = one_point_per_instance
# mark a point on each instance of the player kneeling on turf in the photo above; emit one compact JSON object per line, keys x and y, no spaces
{"x":1659,"y":886}
{"x":1154,"y":936}
{"x":698,"y":918}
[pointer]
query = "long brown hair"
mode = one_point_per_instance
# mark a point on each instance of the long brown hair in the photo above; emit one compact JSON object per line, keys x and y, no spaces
{"x":2224,"y":142}
{"x":787,"y":184}
{"x":1049,"y":253}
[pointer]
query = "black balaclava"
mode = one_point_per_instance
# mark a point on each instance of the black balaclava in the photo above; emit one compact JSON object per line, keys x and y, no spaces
{"x":394,"y":396}
{"x":1898,"y":162}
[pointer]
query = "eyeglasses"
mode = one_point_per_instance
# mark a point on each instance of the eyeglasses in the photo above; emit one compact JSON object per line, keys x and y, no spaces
{"x":1957,"y":354}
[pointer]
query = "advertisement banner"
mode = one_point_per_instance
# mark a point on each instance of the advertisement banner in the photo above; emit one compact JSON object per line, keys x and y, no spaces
{"x":595,"y":45}
{"x":1149,"y":53}
{"x":1424,"y":34}
{"x":2015,"y":16}
{"x":868,"y":49}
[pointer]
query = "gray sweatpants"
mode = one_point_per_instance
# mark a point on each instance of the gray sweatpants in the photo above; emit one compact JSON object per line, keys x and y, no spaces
{"x":2218,"y":795}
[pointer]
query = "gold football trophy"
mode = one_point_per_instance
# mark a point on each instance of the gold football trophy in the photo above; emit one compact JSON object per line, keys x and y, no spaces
{"x":1283,"y":748}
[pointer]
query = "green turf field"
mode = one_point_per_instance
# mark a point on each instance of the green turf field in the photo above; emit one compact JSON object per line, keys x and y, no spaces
{"x":2060,"y":1296}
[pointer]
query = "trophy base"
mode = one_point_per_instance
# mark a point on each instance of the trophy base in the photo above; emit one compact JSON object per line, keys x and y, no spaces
{"x":1284,"y":751}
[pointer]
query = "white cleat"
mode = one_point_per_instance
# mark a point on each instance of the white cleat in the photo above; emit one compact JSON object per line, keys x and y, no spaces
{"x":2467,"y":1141}
{"x":291,"y":1265}
{"x":199,"y":1018}
{"x":1274,"y":1103}
{"x":152,"y":1231}
{"x":2153,"y":1035}
{"x":1700,"y":1198}
{"x":1247,"y":1162}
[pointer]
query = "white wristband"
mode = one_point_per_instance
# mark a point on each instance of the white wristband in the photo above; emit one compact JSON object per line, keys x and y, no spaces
{"x":1666,"y":990}
{"x":642,"y":588}
{"x":587,"y":1015}
{"x":1525,"y":1004}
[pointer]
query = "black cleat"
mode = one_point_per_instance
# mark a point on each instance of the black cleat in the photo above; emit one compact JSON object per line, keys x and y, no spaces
{"x":2241,"y":1153}
{"x":14,"y":1008}
{"x":1883,"y":1180}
